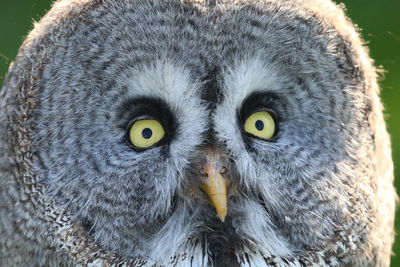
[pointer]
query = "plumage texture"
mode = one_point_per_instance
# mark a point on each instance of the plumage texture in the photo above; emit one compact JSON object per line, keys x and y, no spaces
{"x":73,"y":192}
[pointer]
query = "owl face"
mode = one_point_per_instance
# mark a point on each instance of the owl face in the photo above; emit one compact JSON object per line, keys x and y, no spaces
{"x":169,"y":127}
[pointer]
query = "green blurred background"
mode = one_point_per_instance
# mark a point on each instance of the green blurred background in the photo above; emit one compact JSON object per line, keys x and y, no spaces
{"x":379,"y":21}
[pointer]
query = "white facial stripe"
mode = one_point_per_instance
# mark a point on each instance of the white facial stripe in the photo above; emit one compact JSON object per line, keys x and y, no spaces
{"x":164,"y":80}
{"x":248,"y":76}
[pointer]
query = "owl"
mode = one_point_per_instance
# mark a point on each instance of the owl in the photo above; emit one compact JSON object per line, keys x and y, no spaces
{"x":194,"y":133}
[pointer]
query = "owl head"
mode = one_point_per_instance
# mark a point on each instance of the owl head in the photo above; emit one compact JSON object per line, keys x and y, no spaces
{"x":215,"y":132}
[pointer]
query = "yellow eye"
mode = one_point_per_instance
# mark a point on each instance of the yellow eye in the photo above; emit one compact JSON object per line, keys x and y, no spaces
{"x":260,"y":124}
{"x":146,"y":133}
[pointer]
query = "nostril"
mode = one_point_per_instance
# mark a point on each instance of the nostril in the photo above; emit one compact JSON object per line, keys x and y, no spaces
{"x":203,"y":171}
{"x":222,"y":170}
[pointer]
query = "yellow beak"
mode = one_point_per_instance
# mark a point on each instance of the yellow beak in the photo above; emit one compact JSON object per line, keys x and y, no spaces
{"x":216,"y":188}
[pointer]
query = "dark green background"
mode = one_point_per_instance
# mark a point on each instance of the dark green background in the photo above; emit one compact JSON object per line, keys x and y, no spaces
{"x":379,"y":20}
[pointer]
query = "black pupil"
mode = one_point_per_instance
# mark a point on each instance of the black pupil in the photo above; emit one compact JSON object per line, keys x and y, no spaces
{"x":259,"y":125}
{"x":147,"y":133}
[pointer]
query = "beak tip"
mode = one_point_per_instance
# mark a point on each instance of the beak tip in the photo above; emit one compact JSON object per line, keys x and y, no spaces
{"x":221,"y":213}
{"x":222,"y":217}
